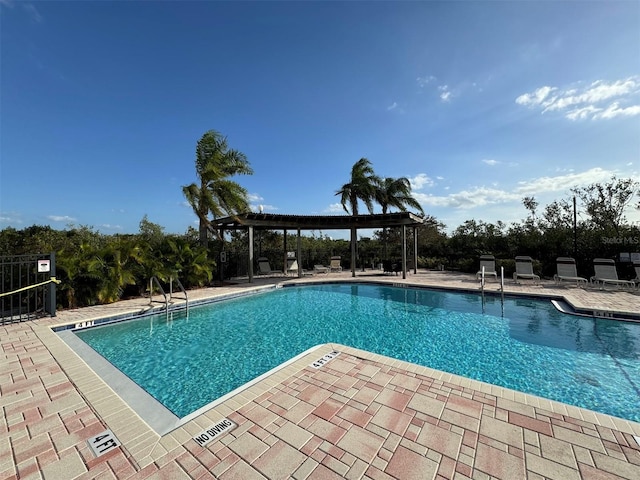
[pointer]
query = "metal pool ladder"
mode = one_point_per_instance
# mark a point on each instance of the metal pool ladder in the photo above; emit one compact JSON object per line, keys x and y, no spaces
{"x":181,"y":288}
{"x":167,"y":299}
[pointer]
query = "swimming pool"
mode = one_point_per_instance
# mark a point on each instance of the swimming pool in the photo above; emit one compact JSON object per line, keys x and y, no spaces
{"x":523,"y":344}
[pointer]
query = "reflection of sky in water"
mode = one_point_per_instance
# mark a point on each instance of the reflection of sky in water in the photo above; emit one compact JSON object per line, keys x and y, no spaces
{"x":533,"y":348}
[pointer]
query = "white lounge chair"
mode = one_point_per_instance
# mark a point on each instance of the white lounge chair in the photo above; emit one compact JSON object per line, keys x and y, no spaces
{"x":489,"y":264}
{"x":524,"y":269}
{"x":321,"y":269}
{"x":605,"y":272}
{"x":568,"y":272}
{"x":264,"y":268}
{"x":636,"y":266}
{"x":293,"y":269}
{"x":335,"y":266}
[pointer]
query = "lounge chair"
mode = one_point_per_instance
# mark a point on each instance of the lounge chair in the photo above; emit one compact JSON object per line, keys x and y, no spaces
{"x":524,"y":269}
{"x":489,"y":264}
{"x":292,"y":268}
{"x":568,"y":272}
{"x":335,"y":266}
{"x":321,"y":269}
{"x":605,"y":272}
{"x":264,"y":268}
{"x":636,"y":266}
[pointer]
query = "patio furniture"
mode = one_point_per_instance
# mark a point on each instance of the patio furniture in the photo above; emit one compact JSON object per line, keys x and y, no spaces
{"x":524,"y":269}
{"x":605,"y":272}
{"x":335,"y":266}
{"x":568,"y":272}
{"x":264,"y":268}
{"x":489,"y":264}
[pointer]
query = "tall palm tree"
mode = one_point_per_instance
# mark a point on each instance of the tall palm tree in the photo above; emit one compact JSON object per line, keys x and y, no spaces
{"x":363,"y":186}
{"x":395,"y":193}
{"x":216,"y":194}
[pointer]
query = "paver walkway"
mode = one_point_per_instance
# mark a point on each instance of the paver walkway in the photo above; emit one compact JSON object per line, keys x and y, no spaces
{"x":359,"y":415}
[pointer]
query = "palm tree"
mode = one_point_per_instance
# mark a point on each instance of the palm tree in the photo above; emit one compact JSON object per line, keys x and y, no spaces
{"x":363,"y":186}
{"x":395,"y":193}
{"x":216,"y":194}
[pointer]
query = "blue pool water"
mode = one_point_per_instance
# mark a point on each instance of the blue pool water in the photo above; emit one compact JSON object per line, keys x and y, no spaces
{"x":525,"y":344}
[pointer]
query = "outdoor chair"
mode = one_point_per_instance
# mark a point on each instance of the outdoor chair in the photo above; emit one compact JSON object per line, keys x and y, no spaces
{"x":264,"y":268}
{"x":321,"y":269}
{"x":524,"y":269}
{"x":335,"y":266}
{"x":636,"y":266}
{"x":605,"y":272}
{"x":488,"y":262}
{"x":568,"y":272}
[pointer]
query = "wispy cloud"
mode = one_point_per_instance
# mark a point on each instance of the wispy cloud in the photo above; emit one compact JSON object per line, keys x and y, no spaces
{"x":598,"y":100}
{"x":107,"y":226}
{"x":490,"y":162}
{"x":393,"y":106}
{"x":480,"y":196}
{"x":562,"y":183}
{"x":445,"y":93}
{"x":467,"y":199}
{"x":424,"y":81}
{"x":421,"y":180}
{"x":33,"y":12}
{"x":28,"y":7}
{"x":61,"y":218}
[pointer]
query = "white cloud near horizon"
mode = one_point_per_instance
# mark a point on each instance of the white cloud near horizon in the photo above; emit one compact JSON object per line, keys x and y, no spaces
{"x":490,"y":162}
{"x":61,"y":218}
{"x":598,"y":100}
{"x":479,"y":196}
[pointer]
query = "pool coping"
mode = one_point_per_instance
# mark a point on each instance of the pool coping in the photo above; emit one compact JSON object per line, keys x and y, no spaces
{"x":146,"y":446}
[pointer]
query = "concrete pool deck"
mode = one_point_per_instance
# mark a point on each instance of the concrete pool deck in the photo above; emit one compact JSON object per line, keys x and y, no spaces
{"x":359,"y":415}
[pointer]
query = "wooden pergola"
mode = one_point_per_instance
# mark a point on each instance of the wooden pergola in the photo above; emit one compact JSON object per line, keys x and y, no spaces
{"x":268,"y":221}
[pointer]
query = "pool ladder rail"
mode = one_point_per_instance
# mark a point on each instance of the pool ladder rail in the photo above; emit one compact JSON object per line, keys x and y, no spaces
{"x":482,"y":282}
{"x":168,"y":299}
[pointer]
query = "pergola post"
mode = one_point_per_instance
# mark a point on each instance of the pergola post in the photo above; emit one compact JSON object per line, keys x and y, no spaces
{"x":404,"y":252}
{"x":284,"y":265}
{"x":250,"y":266}
{"x":354,"y":240}
{"x":299,"y":255}
{"x":415,"y":250}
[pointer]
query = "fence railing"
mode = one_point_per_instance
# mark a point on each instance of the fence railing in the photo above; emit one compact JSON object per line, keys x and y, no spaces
{"x":27,"y":287}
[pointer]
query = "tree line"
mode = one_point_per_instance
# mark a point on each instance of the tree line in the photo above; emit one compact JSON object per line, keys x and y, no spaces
{"x":97,"y":268}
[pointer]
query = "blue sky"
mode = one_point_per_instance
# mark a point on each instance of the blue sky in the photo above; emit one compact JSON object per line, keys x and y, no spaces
{"x":478,"y":103}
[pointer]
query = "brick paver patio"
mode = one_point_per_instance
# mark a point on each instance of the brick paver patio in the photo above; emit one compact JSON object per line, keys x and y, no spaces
{"x":359,"y":415}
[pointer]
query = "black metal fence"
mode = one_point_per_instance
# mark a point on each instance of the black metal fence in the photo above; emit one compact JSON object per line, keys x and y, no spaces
{"x":27,"y":287}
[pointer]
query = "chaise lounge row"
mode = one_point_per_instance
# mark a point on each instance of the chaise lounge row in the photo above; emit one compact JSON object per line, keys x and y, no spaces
{"x":604,"y":271}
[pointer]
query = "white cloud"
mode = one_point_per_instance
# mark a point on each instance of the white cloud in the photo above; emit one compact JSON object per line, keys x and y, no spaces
{"x":445,"y":93}
{"x":424,"y":81}
{"x":537,"y":97}
{"x":334,"y":208}
{"x":563,"y":182}
{"x":254,"y":197}
{"x":420,"y":181}
{"x":588,"y":102}
{"x":491,"y":162}
{"x":61,"y":218}
{"x":467,"y":199}
{"x":33,"y":12}
{"x":393,"y":106}
{"x":614,"y":110}
{"x":108,"y":226}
